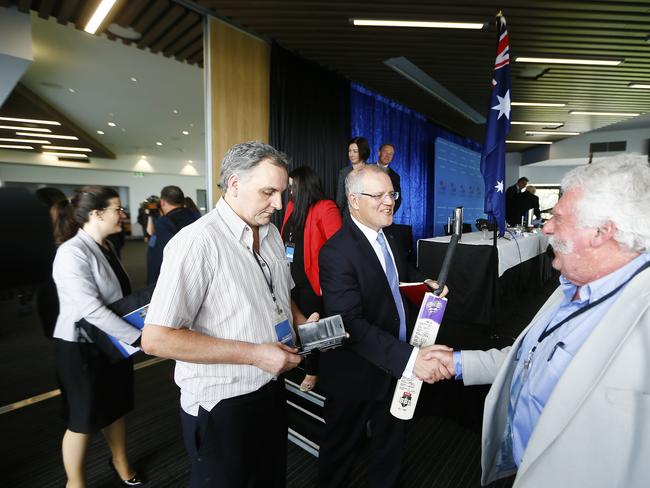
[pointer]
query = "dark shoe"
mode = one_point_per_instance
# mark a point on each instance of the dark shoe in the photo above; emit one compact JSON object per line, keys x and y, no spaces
{"x":134,"y":481}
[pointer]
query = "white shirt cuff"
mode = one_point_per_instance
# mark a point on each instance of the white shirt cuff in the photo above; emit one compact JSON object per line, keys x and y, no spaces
{"x":408,"y":371}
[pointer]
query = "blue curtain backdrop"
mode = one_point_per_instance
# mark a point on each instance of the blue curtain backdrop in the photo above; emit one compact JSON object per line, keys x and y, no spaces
{"x":382,"y":120}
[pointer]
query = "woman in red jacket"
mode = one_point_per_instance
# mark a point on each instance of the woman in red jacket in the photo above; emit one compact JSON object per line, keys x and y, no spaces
{"x":310,"y":219}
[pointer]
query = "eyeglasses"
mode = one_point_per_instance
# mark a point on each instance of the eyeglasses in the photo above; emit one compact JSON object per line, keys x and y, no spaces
{"x":117,"y":209}
{"x":380,"y":197}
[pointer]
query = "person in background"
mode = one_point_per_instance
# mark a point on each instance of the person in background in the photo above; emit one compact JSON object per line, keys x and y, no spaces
{"x":189,"y":203}
{"x":96,"y":393}
{"x":525,"y":201}
{"x":569,"y":403}
{"x":358,"y":153}
{"x":512,"y":201}
{"x":310,"y":219}
{"x":386,"y":154}
{"x":47,"y":302}
{"x":173,"y":217}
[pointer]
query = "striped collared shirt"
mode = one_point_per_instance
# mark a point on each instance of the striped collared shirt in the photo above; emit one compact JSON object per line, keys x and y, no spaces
{"x":210,"y":282}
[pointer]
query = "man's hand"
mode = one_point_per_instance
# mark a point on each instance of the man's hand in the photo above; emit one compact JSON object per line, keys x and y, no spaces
{"x":434,"y":286}
{"x":312,"y":318}
{"x":431,"y":364}
{"x":276,"y":358}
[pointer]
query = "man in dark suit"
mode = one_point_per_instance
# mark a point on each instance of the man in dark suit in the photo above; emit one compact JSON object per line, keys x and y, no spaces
{"x":512,"y":201}
{"x":359,"y":271}
{"x":386,"y":154}
{"x":525,"y":201}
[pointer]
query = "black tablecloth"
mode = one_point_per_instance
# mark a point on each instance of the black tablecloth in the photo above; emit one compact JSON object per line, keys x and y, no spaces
{"x":477,"y":294}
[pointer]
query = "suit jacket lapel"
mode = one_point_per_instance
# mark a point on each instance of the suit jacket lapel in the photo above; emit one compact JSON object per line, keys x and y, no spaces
{"x":587,"y":367}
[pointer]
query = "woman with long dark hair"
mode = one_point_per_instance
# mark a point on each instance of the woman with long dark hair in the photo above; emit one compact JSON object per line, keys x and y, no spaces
{"x":310,"y":219}
{"x":358,"y":153}
{"x":96,"y":393}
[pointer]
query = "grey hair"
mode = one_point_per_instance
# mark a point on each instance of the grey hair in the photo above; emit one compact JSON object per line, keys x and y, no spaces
{"x":615,"y":189}
{"x":354,"y":180}
{"x":243,"y":157}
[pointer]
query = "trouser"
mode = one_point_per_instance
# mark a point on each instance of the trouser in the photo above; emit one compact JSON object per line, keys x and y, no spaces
{"x":241,"y":442}
{"x":345,"y":425}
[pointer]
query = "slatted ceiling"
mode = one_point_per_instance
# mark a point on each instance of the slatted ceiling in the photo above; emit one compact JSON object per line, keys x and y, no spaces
{"x":190,"y":19}
{"x":190,"y":50}
{"x":67,"y":10}
{"x":23,"y":5}
{"x":167,"y":20}
{"x":153,"y":12}
{"x":196,"y":58}
{"x":128,"y":13}
{"x":45,"y":9}
{"x":195,"y":32}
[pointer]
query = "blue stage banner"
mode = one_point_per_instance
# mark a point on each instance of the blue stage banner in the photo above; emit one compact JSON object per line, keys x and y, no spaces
{"x":458,"y":182}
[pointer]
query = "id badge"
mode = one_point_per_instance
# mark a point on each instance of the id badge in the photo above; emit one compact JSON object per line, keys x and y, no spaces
{"x":283,"y":331}
{"x":289,"y":249}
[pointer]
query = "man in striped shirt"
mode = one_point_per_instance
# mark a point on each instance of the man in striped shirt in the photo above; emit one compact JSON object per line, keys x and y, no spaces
{"x":219,"y":308}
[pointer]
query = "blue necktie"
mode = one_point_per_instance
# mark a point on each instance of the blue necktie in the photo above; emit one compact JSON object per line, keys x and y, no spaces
{"x":391,"y":274}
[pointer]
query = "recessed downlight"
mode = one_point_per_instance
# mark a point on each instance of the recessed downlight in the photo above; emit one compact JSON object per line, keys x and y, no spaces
{"x":158,"y":143}
{"x":185,"y":132}
{"x":111,"y":124}
{"x":101,"y":132}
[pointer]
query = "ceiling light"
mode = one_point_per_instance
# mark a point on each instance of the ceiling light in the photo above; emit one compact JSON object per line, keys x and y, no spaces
{"x":613,"y":114}
{"x":72,"y":90}
{"x":537,"y":104}
{"x":68,"y":148}
{"x":30,"y":141}
{"x":134,"y":79}
{"x":185,"y":133}
{"x":13,"y":146}
{"x":65,"y":155}
{"x":591,"y":62}
{"x":175,"y":112}
{"x":111,"y":124}
{"x":414,"y":74}
{"x":158,"y":143}
{"x":31,"y":121}
{"x":49,"y":136}
{"x":190,"y":161}
{"x":551,"y":132}
{"x":529,"y":142}
{"x":124,"y":32}
{"x":543,"y":124}
{"x":98,"y":17}
{"x":416,"y":23}
{"x":101,"y":132}
{"x":644,"y":86}
{"x":31,"y":129}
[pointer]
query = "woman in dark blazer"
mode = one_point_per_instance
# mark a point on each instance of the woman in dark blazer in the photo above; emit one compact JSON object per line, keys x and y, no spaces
{"x":310,"y":219}
{"x":96,"y":393}
{"x":358,"y":153}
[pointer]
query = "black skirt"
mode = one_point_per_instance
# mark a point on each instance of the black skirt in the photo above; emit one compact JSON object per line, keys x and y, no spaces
{"x":95,"y":392}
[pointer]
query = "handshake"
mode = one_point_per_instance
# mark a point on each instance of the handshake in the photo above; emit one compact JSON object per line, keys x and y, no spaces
{"x":434,"y":363}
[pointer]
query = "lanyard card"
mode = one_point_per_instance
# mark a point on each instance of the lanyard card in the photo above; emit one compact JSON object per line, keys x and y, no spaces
{"x":283,"y":331}
{"x":289,"y":250}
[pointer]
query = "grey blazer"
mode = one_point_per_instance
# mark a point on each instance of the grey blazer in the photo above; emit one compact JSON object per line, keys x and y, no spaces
{"x":85,"y":283}
{"x":595,"y":429}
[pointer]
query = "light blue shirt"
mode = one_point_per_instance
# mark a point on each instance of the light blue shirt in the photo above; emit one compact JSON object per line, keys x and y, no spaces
{"x":553,"y":355}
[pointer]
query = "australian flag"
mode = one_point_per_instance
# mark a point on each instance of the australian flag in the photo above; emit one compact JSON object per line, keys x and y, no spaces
{"x":493,"y":158}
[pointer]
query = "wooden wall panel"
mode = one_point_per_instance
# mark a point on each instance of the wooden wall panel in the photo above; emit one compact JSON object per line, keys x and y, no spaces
{"x":240,"y":67}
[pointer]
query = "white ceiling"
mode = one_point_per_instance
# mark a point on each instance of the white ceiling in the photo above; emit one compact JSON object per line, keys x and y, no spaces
{"x":100,"y":71}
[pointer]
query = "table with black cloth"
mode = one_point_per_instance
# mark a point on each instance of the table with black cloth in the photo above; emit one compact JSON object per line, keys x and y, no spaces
{"x":484,"y":280}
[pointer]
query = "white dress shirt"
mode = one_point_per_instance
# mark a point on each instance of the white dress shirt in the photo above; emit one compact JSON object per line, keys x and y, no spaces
{"x":211,"y":283}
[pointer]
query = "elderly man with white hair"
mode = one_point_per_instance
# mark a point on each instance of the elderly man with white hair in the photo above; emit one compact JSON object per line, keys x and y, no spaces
{"x":570,"y":399}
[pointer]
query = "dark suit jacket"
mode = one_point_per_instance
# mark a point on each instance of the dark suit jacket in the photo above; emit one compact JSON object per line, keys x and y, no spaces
{"x":397,"y":186}
{"x":354,"y":285}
